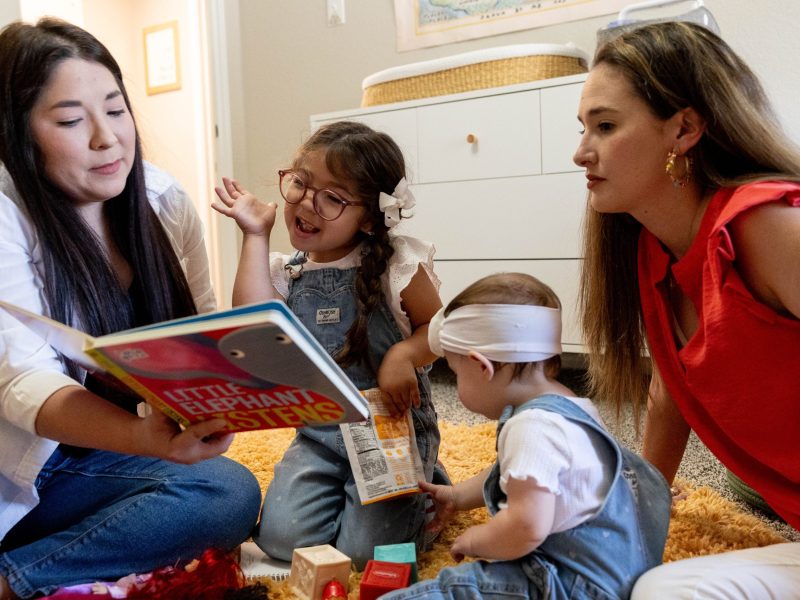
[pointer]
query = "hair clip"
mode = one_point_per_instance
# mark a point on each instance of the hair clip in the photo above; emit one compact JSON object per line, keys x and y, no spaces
{"x":392,"y":206}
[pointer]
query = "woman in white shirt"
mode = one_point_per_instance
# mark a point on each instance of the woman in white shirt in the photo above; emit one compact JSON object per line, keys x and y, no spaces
{"x":94,"y":237}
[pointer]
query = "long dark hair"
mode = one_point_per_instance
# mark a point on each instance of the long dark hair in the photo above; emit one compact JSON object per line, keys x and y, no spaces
{"x":671,"y":66}
{"x":80,"y":285}
{"x":373,"y":163}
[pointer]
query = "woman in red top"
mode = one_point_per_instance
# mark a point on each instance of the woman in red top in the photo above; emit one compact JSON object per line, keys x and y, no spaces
{"x":693,"y":251}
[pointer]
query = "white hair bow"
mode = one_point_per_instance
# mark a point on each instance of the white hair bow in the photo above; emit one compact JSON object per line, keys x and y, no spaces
{"x":392,"y":206}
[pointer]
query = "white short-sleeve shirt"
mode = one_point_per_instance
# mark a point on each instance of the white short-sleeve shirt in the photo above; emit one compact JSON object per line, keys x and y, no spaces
{"x":560,"y":456}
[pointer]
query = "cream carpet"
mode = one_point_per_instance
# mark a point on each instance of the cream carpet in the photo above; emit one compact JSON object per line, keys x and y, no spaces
{"x":703,"y":523}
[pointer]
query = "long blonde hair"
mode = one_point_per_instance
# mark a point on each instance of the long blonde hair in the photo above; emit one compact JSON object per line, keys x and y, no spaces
{"x":671,"y":66}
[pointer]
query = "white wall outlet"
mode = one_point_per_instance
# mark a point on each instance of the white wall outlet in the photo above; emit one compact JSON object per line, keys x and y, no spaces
{"x":335,"y":13}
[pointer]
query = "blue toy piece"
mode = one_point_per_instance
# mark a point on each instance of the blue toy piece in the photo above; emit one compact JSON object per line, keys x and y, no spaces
{"x":399,"y":553}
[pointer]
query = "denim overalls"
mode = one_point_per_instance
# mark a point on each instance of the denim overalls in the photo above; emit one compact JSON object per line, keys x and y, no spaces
{"x":312,"y":498}
{"x":599,"y":559}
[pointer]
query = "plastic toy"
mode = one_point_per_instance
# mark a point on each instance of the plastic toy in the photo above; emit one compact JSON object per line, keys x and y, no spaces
{"x":381,"y":577}
{"x":399,"y":553}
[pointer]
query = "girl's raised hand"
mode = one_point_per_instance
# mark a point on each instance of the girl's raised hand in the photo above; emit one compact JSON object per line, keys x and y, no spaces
{"x":253,"y":216}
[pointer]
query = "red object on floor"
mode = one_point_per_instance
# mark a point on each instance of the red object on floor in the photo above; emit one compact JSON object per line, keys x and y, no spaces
{"x":334,"y":590}
{"x":215,"y":575}
{"x":207,"y":578}
{"x":381,"y":577}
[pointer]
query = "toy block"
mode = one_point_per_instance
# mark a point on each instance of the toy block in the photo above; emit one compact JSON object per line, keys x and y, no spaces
{"x":314,"y":567}
{"x":381,"y":577}
{"x":399,"y":553}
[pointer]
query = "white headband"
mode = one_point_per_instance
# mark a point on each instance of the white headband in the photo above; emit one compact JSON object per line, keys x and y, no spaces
{"x":508,"y":333}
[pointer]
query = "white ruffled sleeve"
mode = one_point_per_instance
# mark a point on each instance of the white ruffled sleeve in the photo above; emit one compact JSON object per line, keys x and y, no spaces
{"x":409,"y":254}
{"x":280,"y":278}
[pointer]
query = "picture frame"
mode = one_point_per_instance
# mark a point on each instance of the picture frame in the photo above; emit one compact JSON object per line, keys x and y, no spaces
{"x":162,"y":58}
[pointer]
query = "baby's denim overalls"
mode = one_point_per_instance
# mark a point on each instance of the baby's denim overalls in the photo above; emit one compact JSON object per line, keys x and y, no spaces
{"x":598,"y":560}
{"x":312,"y":499}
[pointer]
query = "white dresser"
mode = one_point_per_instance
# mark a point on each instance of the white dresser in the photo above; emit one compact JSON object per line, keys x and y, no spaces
{"x":495,"y":184}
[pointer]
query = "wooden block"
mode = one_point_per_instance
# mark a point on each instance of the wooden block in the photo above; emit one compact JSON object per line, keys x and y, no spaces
{"x":399,"y":553}
{"x":381,"y":577}
{"x":314,"y":567}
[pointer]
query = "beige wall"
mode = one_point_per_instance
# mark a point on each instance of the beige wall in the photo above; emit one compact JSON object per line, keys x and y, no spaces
{"x":9,"y":11}
{"x":294,"y":65}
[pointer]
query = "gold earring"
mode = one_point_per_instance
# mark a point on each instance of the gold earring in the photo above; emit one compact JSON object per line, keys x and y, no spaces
{"x":678,"y":179}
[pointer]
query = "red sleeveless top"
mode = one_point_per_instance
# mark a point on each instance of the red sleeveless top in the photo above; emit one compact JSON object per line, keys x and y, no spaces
{"x":737,"y":380}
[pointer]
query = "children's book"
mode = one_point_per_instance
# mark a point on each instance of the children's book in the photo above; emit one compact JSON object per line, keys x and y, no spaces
{"x":255,"y":564}
{"x":256,"y":366}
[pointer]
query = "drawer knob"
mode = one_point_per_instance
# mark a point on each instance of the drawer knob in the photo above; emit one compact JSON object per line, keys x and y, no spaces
{"x":471,"y":138}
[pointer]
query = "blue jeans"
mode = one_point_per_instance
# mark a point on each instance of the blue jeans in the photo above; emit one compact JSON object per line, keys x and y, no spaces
{"x":502,"y":580}
{"x":313,"y":500}
{"x":104,"y":515}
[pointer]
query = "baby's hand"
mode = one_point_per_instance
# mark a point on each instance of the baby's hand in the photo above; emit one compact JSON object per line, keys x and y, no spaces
{"x":678,"y":494}
{"x":251,"y":214}
{"x":397,"y":379}
{"x":461,"y":547}
{"x":444,"y":501}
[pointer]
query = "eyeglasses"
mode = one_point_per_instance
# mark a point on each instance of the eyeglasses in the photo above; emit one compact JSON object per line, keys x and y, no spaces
{"x":327,"y":204}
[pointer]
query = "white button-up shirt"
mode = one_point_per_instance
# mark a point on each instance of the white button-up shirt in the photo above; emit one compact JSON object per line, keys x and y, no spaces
{"x":30,"y":371}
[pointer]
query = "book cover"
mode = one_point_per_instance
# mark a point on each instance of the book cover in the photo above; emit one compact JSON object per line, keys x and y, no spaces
{"x":256,"y":366}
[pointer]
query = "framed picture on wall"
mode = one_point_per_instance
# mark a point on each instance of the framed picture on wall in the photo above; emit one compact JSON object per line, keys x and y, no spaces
{"x":162,"y":58}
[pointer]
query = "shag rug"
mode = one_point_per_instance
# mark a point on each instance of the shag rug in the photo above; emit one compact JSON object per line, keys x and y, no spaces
{"x":702,"y":523}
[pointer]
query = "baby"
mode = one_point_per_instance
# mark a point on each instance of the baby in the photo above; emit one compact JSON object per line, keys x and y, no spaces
{"x":574,"y":514}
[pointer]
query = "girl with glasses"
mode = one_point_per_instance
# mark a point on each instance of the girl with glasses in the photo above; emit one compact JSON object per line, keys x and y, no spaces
{"x":367,"y":294}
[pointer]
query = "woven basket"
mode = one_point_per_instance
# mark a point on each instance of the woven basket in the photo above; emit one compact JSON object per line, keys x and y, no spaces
{"x":491,"y":73}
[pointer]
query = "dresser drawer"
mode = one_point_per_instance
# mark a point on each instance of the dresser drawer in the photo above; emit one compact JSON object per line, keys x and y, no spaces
{"x":520,"y":217}
{"x":561,"y":275}
{"x":497,"y":136}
